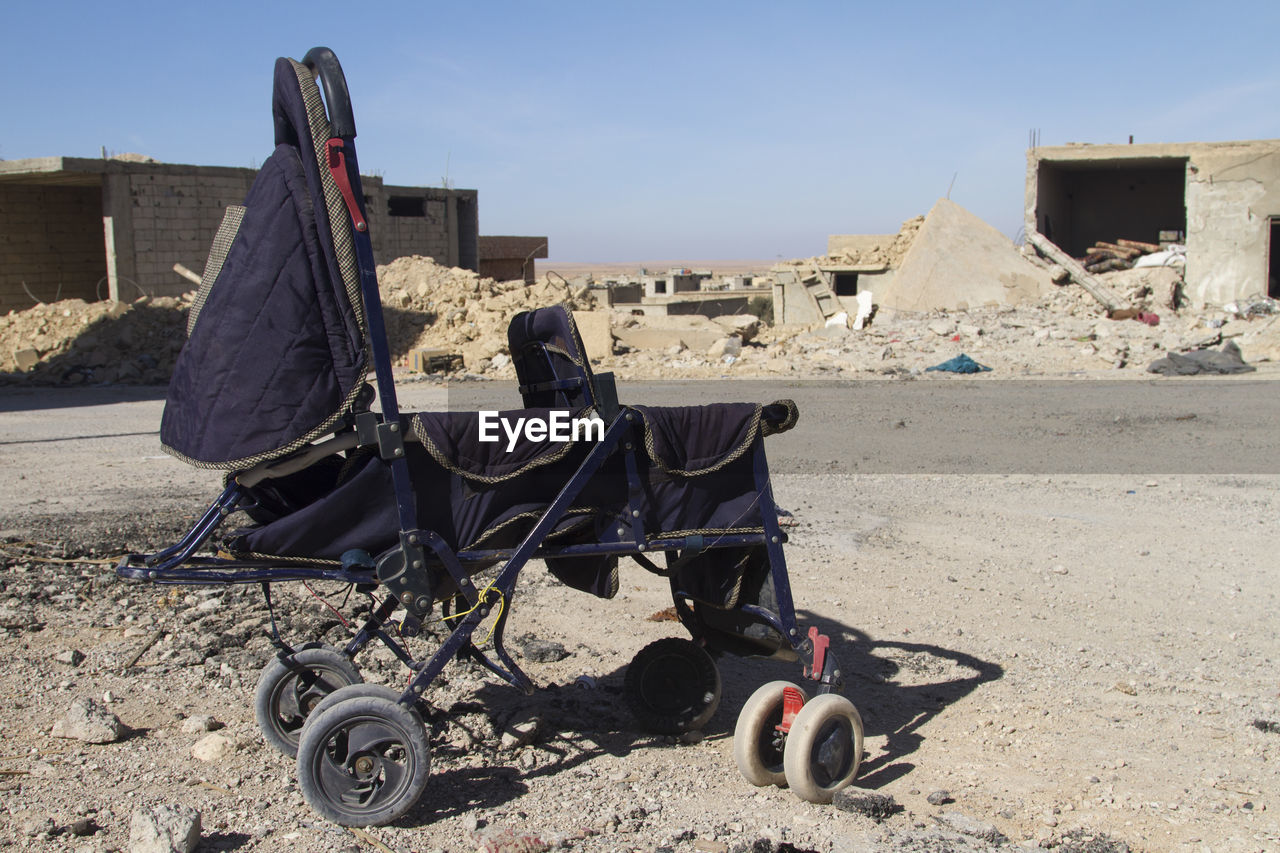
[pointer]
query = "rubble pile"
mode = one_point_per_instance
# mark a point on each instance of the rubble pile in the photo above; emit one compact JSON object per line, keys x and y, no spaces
{"x":431,"y":306}
{"x":1066,"y":332}
{"x":888,"y":254}
{"x":75,"y":342}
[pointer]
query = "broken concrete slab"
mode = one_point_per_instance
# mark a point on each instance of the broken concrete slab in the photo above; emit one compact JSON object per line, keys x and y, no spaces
{"x":957,"y":262}
{"x":692,"y":332}
{"x":593,"y":327}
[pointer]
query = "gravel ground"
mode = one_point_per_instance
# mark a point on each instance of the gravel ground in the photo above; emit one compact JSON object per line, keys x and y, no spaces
{"x":1079,"y":662}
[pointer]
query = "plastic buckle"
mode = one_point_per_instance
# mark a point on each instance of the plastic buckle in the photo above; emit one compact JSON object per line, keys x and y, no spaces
{"x":821,"y":642}
{"x":792,"y":702}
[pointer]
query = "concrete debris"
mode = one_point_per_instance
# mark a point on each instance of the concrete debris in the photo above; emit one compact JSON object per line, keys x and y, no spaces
{"x":966,"y":825}
{"x":200,"y":723}
{"x":70,"y":657}
{"x":878,"y":807}
{"x":543,"y":651}
{"x":89,"y":721}
{"x":164,"y":829}
{"x":520,"y":732}
{"x":871,"y":249}
{"x":78,"y":342}
{"x":213,"y":747}
{"x":957,"y":262}
{"x":431,"y":306}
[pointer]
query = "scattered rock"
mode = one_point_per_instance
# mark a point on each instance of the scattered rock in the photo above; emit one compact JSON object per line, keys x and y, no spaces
{"x":82,"y":826}
{"x":520,"y":732}
{"x":878,"y":807}
{"x":966,"y":825}
{"x":543,"y":651}
{"x":213,"y":747}
{"x":89,"y":721}
{"x":164,"y":829}
{"x":505,"y":840}
{"x":1126,"y":688}
{"x":725,"y":346}
{"x":1269,"y":726}
{"x":70,"y":657}
{"x":939,"y":798}
{"x":198,"y":723}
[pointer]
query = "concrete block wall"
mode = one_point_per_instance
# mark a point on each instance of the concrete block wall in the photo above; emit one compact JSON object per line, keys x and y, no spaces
{"x":73,"y":222}
{"x":446,"y":229}
{"x":176,"y":211}
{"x":51,"y":240}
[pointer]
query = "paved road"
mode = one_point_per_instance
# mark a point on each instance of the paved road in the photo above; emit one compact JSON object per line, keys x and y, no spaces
{"x":68,"y":449}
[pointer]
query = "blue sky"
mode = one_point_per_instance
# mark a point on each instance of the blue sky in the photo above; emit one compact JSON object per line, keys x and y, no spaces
{"x":657,"y":130}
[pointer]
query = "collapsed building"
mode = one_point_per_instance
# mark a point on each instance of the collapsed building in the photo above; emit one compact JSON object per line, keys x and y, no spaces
{"x":114,"y":228}
{"x":1220,"y":199}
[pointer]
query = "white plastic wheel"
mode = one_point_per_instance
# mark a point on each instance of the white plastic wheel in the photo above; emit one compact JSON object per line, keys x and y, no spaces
{"x":824,"y":748}
{"x":757,"y":744}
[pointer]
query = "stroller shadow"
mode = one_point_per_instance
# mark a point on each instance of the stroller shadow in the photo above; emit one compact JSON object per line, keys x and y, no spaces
{"x":898,"y":687}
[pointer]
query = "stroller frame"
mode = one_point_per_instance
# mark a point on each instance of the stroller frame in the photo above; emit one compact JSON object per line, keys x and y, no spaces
{"x":403,"y":569}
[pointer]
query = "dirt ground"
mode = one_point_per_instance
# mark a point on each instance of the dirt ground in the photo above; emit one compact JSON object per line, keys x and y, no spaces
{"x":1081,"y":657}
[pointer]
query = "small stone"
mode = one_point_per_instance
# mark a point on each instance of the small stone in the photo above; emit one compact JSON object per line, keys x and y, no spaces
{"x":26,"y":358}
{"x":199,"y":723}
{"x":1126,"y":689}
{"x":942,"y":328}
{"x":89,"y":721}
{"x":70,"y":657}
{"x":966,"y":825}
{"x":82,"y":826}
{"x":1049,"y":820}
{"x":543,"y":651}
{"x":1060,"y":569}
{"x":708,"y":845}
{"x":726,"y":346}
{"x":213,"y":748}
{"x":164,"y":829}
{"x":939,"y":798}
{"x":520,"y":732}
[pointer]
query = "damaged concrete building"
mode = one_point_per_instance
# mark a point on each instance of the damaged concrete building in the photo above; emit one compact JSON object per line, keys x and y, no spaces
{"x":113,"y":228}
{"x":1221,"y":198}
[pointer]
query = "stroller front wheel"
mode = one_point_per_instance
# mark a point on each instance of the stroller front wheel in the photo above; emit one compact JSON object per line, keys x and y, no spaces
{"x":757,"y":743}
{"x":672,"y":686}
{"x":824,"y":748}
{"x":363,"y":761}
{"x":291,"y":686}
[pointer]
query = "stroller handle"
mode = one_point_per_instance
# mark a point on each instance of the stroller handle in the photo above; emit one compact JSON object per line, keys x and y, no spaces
{"x":337,"y":98}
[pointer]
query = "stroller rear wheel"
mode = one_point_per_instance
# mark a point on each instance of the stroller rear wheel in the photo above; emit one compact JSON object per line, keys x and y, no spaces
{"x":672,"y":686}
{"x":363,"y":761}
{"x":757,"y":743}
{"x":290,"y":687}
{"x":824,"y":748}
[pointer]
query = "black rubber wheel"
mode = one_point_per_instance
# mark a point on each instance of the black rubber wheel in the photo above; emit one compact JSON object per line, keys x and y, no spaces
{"x":291,"y":687}
{"x":363,"y":761}
{"x":757,"y":743}
{"x":824,"y":748}
{"x":351,"y":691}
{"x":672,"y":686}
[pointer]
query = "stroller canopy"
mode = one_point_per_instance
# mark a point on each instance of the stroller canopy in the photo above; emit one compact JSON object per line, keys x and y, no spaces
{"x":276,"y":353}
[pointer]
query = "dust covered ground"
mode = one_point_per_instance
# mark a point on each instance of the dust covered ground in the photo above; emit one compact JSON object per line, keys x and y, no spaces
{"x":1081,"y":657}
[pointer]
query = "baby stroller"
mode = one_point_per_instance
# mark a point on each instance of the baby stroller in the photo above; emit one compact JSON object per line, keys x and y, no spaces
{"x":271,"y":388}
